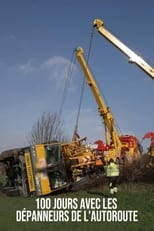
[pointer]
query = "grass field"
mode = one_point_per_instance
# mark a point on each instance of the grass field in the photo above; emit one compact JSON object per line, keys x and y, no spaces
{"x":130,"y":197}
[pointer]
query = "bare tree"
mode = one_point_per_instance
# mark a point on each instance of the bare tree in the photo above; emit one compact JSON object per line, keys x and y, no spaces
{"x":46,"y":129}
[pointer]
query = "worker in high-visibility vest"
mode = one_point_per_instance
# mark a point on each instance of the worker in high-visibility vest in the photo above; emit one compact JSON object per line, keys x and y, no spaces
{"x":112,"y":172}
{"x":98,"y":164}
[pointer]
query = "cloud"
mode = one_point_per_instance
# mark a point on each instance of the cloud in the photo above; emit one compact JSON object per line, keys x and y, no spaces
{"x":27,"y":67}
{"x":56,"y":68}
{"x":55,"y":60}
{"x":24,"y":68}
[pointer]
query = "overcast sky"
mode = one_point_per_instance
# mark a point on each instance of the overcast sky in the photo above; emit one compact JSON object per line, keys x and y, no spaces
{"x":37,"y":39}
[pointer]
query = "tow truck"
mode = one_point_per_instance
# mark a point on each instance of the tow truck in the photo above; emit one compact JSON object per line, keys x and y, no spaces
{"x":132,"y":57}
{"x":125,"y":147}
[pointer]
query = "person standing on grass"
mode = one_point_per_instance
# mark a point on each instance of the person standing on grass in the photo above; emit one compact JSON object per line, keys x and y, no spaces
{"x":112,"y":172}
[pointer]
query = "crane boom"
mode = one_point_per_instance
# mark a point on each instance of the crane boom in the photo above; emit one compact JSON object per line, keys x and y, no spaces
{"x":102,"y":108}
{"x":132,"y":56}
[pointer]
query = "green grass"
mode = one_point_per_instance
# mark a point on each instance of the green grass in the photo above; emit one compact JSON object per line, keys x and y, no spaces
{"x":130,"y":197}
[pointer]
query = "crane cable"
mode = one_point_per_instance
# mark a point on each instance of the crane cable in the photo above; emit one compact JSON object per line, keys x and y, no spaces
{"x":66,"y":85}
{"x":75,"y":133}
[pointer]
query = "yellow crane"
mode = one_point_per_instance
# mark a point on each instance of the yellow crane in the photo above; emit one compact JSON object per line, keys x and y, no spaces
{"x":118,"y":145}
{"x":132,"y":56}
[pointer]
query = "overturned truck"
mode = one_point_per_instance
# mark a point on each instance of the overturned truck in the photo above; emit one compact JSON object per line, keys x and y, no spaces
{"x":45,"y":168}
